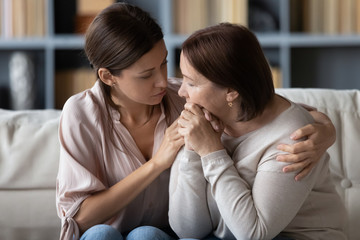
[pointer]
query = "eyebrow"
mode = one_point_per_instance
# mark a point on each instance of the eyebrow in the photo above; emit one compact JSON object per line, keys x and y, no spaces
{"x":150,"y":69}
{"x":187,"y":77}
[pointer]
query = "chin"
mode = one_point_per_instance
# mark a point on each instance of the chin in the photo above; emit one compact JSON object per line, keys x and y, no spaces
{"x":156,"y":102}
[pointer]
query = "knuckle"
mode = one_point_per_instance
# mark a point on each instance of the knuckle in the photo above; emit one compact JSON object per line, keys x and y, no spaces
{"x":302,"y":164}
{"x":310,"y":144}
{"x":191,"y":105}
{"x":297,"y":147}
{"x":290,"y":149}
{"x":312,"y":127}
{"x":295,"y":158}
{"x":299,"y":132}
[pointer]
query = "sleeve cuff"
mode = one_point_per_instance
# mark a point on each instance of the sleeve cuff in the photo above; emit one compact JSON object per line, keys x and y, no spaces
{"x":190,"y":156}
{"x":189,"y":160}
{"x":215,"y":158}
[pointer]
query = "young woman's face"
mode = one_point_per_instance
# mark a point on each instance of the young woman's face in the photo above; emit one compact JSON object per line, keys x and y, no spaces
{"x":145,"y":81}
{"x":197,"y":89}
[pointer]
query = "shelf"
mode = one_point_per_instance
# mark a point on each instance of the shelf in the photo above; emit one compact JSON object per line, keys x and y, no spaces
{"x":312,"y":40}
{"x":68,"y":42}
{"x":23,"y":43}
{"x":58,"y":42}
{"x":304,"y":59}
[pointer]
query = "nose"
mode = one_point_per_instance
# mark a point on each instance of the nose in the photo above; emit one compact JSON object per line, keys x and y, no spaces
{"x":182,"y":91}
{"x":161,"y":81}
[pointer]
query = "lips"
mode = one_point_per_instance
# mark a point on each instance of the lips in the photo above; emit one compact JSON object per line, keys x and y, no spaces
{"x":160,"y":94}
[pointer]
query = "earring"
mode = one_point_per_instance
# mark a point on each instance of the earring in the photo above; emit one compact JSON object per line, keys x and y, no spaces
{"x":230,"y":104}
{"x":113,"y":85}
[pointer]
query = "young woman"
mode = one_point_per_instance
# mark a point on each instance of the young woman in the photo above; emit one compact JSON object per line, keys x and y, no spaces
{"x":231,"y":185}
{"x":119,"y":138}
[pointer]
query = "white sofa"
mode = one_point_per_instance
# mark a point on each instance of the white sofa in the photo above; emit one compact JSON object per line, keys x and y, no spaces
{"x":29,"y":154}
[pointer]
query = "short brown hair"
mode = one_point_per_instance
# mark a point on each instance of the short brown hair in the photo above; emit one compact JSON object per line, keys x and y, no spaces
{"x":230,"y":55}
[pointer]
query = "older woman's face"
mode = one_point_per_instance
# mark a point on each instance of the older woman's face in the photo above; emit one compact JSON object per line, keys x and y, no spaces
{"x":197,"y":89}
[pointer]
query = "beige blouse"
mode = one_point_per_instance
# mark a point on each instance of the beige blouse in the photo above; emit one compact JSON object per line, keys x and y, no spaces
{"x":89,"y":162}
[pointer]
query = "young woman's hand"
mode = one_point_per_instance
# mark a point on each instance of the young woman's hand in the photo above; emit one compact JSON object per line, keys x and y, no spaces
{"x":201,"y":131}
{"x":170,"y":145}
{"x":304,"y":155}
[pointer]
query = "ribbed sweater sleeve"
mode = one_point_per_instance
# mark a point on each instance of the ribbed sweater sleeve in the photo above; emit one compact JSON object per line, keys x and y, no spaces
{"x":188,"y":201}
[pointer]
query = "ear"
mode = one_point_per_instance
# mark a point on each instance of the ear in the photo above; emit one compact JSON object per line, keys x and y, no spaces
{"x":231,"y":95}
{"x":106,"y":77}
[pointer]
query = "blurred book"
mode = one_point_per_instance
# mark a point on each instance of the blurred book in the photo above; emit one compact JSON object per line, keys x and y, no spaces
{"x":23,"y":18}
{"x":192,"y":15}
{"x":72,"y":81}
{"x":86,"y":10}
{"x":277,"y":77}
{"x":313,"y":16}
{"x":347,"y":16}
{"x":327,"y":16}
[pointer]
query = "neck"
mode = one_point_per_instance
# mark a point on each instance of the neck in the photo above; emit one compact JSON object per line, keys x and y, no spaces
{"x":276,"y":106}
{"x":136,"y":116}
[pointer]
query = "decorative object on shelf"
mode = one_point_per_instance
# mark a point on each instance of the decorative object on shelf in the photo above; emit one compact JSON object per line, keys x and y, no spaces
{"x":261,"y":19}
{"x":22,"y":90}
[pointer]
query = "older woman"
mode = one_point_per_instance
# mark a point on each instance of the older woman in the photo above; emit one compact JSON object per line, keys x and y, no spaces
{"x":230,"y":185}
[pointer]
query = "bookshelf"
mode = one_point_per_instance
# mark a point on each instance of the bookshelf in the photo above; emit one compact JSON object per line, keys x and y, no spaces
{"x":304,"y":57}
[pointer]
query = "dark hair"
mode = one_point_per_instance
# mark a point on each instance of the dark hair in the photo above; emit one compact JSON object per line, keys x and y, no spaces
{"x":230,"y":55}
{"x":117,"y":37}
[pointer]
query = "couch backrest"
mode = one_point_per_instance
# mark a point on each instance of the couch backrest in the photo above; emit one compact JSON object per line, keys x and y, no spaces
{"x":343,"y":108}
{"x":29,"y":156}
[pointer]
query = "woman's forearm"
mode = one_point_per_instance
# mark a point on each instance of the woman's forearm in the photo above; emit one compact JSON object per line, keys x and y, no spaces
{"x":102,"y":206}
{"x":188,"y":210}
{"x":250,"y":213}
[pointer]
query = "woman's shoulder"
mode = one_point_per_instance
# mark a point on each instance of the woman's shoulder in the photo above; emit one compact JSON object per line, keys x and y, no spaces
{"x":83,"y":106}
{"x":296,"y":114}
{"x":280,"y":128}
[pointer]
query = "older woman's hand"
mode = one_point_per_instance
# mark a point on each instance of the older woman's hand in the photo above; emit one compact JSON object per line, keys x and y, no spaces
{"x":201,"y":131}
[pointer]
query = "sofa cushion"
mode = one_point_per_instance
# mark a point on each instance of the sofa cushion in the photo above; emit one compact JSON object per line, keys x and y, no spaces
{"x":343,"y":108}
{"x":29,"y":159}
{"x":29,"y":150}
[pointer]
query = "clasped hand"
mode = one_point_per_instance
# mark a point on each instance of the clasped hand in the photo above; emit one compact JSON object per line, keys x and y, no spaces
{"x":200,"y":129}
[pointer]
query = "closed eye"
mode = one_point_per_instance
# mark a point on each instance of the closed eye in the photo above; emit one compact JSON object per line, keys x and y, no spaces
{"x":188,"y":82}
{"x":146,"y":76}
